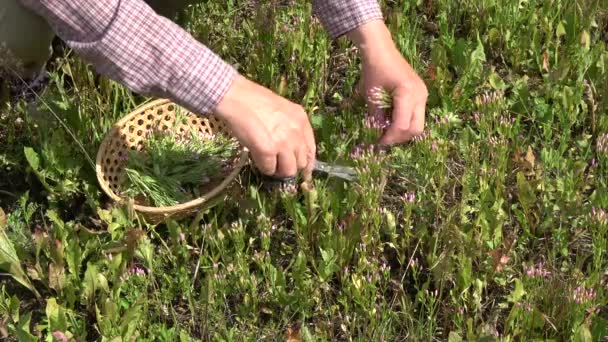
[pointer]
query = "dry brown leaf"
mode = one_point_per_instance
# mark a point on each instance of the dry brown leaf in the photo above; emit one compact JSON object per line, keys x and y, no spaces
{"x":500,"y":259}
{"x":293,"y":334}
{"x":56,"y":277}
{"x":546,"y":61}
{"x":530,"y":158}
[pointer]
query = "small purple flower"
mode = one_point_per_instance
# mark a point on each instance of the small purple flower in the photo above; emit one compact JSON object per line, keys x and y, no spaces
{"x":506,"y":121}
{"x":380,"y":97}
{"x":599,"y":215}
{"x":409,"y":197}
{"x":593,"y":163}
{"x":182,"y":237}
{"x":376,"y":121}
{"x":582,"y":295}
{"x":476,"y":116}
{"x":537,"y":271}
{"x":60,"y":336}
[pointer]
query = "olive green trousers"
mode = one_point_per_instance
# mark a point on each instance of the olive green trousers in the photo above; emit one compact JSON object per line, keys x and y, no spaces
{"x":25,"y":37}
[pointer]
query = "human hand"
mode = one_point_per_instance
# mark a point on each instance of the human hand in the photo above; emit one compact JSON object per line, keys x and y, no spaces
{"x":383,"y":66}
{"x":276,"y":131}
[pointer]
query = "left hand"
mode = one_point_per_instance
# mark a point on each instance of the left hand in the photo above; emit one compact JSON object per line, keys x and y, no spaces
{"x":385,"y":67}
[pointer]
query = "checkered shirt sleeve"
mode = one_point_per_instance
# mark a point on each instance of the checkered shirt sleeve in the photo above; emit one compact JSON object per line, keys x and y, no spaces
{"x":341,"y":16}
{"x":128,"y":42}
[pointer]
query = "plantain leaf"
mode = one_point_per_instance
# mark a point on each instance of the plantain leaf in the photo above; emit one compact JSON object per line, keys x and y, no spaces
{"x":10,"y":263}
{"x":32,"y":158}
{"x":3,"y":219}
{"x":56,"y":315}
{"x":527,"y":197}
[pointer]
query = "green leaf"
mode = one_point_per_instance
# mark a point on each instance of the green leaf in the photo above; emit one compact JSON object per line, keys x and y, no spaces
{"x":3,"y":219}
{"x":561,"y":30}
{"x":9,"y":262}
{"x":14,"y":308}
{"x":518,"y":292}
{"x":306,"y":335}
{"x":454,"y":337}
{"x":32,"y":158}
{"x":496,"y":82}
{"x":56,"y":315}
{"x":478,"y":55}
{"x":599,"y":328}
{"x":582,"y":334}
{"x":316,"y":121}
{"x":22,"y":330}
{"x":90,"y":282}
{"x":129,"y":320}
{"x":527,"y":197}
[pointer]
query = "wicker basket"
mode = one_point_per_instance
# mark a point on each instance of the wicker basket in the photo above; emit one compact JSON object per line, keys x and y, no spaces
{"x":129,"y":132}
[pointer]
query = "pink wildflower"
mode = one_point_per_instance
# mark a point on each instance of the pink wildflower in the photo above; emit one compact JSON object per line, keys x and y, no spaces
{"x":582,"y":295}
{"x":434,"y":146}
{"x":60,"y":336}
{"x":599,"y":216}
{"x":537,"y":271}
{"x":380,"y":98}
{"x":409,"y":197}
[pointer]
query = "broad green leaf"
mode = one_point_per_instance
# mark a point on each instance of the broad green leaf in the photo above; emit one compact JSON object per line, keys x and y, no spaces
{"x":527,"y":197}
{"x":582,"y":334}
{"x":518,"y":292}
{"x":561,"y":30}
{"x":10,"y":263}
{"x":22,"y":330}
{"x":454,"y":337}
{"x":478,"y":55}
{"x":129,"y":320}
{"x":496,"y":82}
{"x":32,"y":158}
{"x":306,"y":335}
{"x":317,"y":121}
{"x":90,"y":282}
{"x":3,"y":219}
{"x":14,"y":308}
{"x":56,"y":315}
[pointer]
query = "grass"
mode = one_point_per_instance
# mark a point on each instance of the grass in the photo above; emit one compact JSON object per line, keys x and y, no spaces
{"x":173,"y":167}
{"x":491,"y":226}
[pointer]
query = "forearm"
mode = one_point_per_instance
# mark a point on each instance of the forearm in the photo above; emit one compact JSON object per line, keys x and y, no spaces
{"x":340,"y":17}
{"x":128,"y":42}
{"x":372,"y":38}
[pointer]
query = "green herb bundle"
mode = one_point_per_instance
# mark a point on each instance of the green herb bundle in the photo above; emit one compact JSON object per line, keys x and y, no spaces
{"x":172,"y":167}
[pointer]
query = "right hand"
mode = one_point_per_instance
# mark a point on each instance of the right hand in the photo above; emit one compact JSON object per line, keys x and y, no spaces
{"x":276,"y":131}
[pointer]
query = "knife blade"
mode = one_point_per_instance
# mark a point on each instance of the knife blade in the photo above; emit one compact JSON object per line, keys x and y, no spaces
{"x":330,"y":170}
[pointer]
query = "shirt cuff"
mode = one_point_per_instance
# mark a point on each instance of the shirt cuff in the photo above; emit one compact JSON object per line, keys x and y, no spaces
{"x":342,"y":16}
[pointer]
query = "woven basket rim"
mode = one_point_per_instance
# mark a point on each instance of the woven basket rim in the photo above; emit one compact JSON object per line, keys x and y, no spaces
{"x":243,"y":160}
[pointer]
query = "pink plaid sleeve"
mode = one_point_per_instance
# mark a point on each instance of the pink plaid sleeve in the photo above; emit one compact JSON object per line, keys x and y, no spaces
{"x":128,"y":42}
{"x":342,"y":16}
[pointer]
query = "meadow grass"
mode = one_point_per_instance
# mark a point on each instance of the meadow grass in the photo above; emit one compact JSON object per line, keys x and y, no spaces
{"x":493,"y":225}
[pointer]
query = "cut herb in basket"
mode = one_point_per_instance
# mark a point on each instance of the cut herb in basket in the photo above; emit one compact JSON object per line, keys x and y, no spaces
{"x":172,"y":167}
